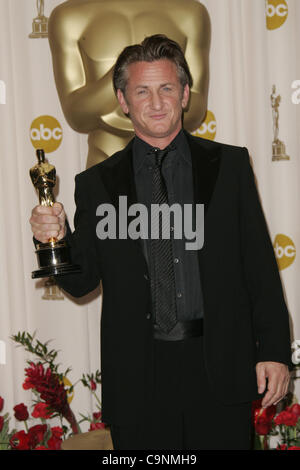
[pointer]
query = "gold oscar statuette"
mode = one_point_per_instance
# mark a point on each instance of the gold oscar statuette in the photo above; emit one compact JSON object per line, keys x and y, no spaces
{"x":278,"y":147}
{"x":40,"y":23}
{"x":54,"y":256}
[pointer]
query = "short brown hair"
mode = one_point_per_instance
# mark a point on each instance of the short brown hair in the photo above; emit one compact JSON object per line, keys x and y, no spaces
{"x":152,"y":48}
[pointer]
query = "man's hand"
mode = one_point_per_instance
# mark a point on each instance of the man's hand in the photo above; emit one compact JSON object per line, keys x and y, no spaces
{"x":278,"y":381}
{"x":47,"y":222}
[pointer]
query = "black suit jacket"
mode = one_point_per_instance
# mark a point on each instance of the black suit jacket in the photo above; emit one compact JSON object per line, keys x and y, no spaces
{"x":245,"y":315}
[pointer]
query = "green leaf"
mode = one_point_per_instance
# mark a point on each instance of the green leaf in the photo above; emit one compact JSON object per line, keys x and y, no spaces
{"x":47,"y":436}
{"x":257,"y":442}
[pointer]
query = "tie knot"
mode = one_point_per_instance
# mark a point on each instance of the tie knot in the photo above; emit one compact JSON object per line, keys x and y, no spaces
{"x":160,"y":154}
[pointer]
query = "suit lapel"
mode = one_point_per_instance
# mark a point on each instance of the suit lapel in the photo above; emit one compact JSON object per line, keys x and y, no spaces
{"x":118,"y":176}
{"x":205,"y":164}
{"x":118,"y":180}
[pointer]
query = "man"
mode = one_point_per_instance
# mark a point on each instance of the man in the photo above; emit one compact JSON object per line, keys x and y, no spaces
{"x":188,"y":337}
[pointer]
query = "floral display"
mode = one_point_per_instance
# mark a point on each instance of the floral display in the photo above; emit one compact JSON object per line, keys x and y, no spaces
{"x":52,"y":401}
{"x":283,"y":425}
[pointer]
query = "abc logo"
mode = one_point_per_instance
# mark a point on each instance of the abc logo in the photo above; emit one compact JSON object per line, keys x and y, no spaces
{"x":70,"y":390}
{"x":208,"y":128}
{"x":2,"y":92}
{"x":296,"y":353}
{"x":46,"y":133}
{"x":296,"y":94}
{"x":276,"y":13}
{"x":2,"y":353}
{"x":285,"y":251}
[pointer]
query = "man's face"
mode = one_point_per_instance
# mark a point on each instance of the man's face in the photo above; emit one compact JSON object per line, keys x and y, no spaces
{"x":154,"y":100}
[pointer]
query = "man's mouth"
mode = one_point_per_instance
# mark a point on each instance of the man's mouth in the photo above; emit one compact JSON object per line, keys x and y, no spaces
{"x":158,"y":117}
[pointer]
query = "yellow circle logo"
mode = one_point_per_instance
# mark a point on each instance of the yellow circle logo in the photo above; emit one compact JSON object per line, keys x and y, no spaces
{"x":285,"y":251}
{"x":46,"y":133}
{"x":276,"y":13}
{"x":70,"y":393}
{"x":208,"y":128}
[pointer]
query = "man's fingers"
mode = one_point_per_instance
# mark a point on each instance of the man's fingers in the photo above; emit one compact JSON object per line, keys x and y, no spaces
{"x":261,"y":378}
{"x":57,"y":208}
{"x":45,"y":227}
{"x":274,"y":392}
{"x":284,"y":389}
{"x":42,"y":214}
{"x":48,"y":222}
{"x":287,"y":383}
{"x":278,"y":380}
{"x":38,"y":210}
{"x":44,"y":219}
{"x":274,"y":389}
{"x":44,"y":237}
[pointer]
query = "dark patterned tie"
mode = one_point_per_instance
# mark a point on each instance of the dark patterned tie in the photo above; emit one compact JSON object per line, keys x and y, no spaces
{"x":162,"y":264}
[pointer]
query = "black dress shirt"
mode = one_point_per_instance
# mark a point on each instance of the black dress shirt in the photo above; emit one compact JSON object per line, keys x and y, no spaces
{"x":178,"y":176}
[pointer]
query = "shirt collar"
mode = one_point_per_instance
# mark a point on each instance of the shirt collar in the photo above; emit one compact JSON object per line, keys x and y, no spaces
{"x":142,"y":149}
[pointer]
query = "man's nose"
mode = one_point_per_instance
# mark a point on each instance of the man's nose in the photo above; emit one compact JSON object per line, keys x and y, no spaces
{"x":156,"y":100}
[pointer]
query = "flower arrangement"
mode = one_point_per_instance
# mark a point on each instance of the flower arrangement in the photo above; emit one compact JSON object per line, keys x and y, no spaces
{"x":285,"y":424}
{"x":52,"y":393}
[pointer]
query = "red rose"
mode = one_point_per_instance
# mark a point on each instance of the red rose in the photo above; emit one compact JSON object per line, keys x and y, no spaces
{"x":294,"y":448}
{"x":48,"y":384}
{"x":262,"y":418}
{"x":1,"y":404}
{"x":21,"y":412}
{"x":41,"y":448}
{"x":52,"y":391}
{"x":93,"y":385}
{"x":57,"y":432}
{"x":263,"y":428}
{"x":281,"y":447}
{"x":287,"y":418}
{"x":20,"y":441}
{"x":41,"y":410}
{"x":1,"y":423}
{"x":97,"y":416}
{"x":54,"y":443}
{"x":36,"y":434}
{"x":293,"y":409}
{"x":35,"y":373}
{"x":95,"y":426}
{"x":256,"y":407}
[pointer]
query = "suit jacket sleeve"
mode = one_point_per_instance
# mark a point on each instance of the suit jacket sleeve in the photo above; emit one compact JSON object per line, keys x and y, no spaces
{"x":82,"y":247}
{"x":270,"y":314}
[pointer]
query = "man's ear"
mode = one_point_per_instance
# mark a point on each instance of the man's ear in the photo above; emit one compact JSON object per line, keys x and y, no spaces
{"x":122,"y":101}
{"x":185,"y":96}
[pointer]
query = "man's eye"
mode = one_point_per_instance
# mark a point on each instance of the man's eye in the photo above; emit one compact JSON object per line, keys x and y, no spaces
{"x":167,"y":88}
{"x":141,"y":92}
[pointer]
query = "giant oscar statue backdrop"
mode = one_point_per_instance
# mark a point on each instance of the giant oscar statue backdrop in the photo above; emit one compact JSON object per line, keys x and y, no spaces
{"x":86,"y":36}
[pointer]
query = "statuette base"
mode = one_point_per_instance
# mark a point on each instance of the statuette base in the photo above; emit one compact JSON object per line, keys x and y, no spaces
{"x":278,"y":151}
{"x":54,"y":260}
{"x":39,"y":28}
